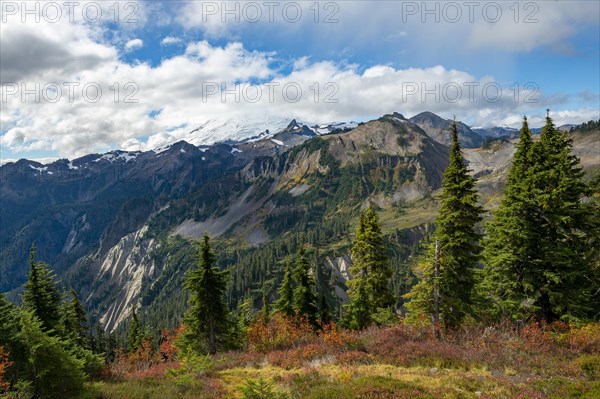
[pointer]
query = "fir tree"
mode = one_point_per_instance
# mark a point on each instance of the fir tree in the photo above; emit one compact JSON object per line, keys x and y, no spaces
{"x":368,"y":254}
{"x":208,"y":316}
{"x":54,"y":369}
{"x":9,"y":320}
{"x":512,"y":242}
{"x":325,"y":294}
{"x":135,"y":336}
{"x":304,"y":296}
{"x":360,"y":309}
{"x":75,"y":320}
{"x":458,"y":246}
{"x":10,"y":337}
{"x":264,"y":311}
{"x":40,"y":294}
{"x":371,"y":272}
{"x":561,"y":286}
{"x":99,"y":339}
{"x":285,"y":303}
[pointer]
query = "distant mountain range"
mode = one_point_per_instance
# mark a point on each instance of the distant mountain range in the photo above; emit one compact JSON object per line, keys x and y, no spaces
{"x":111,"y":224}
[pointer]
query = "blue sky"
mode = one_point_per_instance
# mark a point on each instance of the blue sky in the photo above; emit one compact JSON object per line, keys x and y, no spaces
{"x":373,"y":54}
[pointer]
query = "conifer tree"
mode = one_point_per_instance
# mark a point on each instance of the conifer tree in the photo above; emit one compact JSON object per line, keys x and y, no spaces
{"x":512,"y":238}
{"x":9,"y":320}
{"x":371,"y":272}
{"x":99,"y":339}
{"x":561,"y":286}
{"x":458,"y":246}
{"x":285,"y":303}
{"x":304,"y":295}
{"x":208,"y":316}
{"x":40,"y":294}
{"x":537,"y":258}
{"x":325,"y":298}
{"x":10,"y":338}
{"x":136,"y":336}
{"x":75,"y":320}
{"x":264,"y":311}
{"x":360,"y":309}
{"x":54,"y":369}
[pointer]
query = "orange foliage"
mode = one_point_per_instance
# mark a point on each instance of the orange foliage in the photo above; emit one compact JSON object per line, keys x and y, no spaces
{"x":147,"y":362}
{"x":167,"y":349}
{"x":4,"y":364}
{"x":279,"y":332}
{"x":585,"y":339}
{"x":333,"y":337}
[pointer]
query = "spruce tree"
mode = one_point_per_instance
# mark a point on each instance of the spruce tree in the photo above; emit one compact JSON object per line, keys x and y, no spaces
{"x":285,"y":303}
{"x":458,"y":246}
{"x":208,"y":316}
{"x":135,"y":337}
{"x":75,"y":320}
{"x":304,"y":295}
{"x":40,"y":294}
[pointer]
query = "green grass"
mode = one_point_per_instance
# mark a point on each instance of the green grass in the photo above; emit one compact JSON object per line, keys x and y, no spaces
{"x":415,"y":214}
{"x":335,"y":381}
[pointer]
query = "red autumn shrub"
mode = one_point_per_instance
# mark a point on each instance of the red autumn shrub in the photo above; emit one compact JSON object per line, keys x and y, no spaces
{"x":585,"y":339}
{"x":146,"y":362}
{"x":334,"y":338}
{"x":354,"y":357}
{"x":534,"y":337}
{"x":282,"y":358}
{"x":167,"y":349}
{"x":279,"y":332}
{"x":4,"y":364}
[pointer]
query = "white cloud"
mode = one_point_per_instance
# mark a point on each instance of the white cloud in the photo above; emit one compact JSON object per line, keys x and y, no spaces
{"x":134,"y":44}
{"x":170,"y":40}
{"x":506,"y":26}
{"x":178,"y":95}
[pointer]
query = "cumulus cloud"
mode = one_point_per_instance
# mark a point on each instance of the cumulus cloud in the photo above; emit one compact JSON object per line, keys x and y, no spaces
{"x":170,"y":40}
{"x":134,"y":44}
{"x":88,"y":99}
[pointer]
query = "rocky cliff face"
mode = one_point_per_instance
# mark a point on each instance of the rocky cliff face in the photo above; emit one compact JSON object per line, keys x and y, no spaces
{"x":438,"y":129}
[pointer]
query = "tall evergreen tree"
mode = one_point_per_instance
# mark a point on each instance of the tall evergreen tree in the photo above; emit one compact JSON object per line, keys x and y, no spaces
{"x":10,"y":338}
{"x":136,"y":335}
{"x":371,"y":272}
{"x":512,"y":238}
{"x":208,"y":316}
{"x":75,"y":320}
{"x":41,"y":295}
{"x":561,"y":286}
{"x":325,"y":295}
{"x":285,"y":303}
{"x":53,"y":367}
{"x":304,"y":293}
{"x":369,"y":261}
{"x":458,"y":246}
{"x":360,"y":310}
{"x":536,"y":255}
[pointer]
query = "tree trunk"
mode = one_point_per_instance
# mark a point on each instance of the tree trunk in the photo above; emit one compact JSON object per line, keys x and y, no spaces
{"x":212,"y":345}
{"x":435,"y":316}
